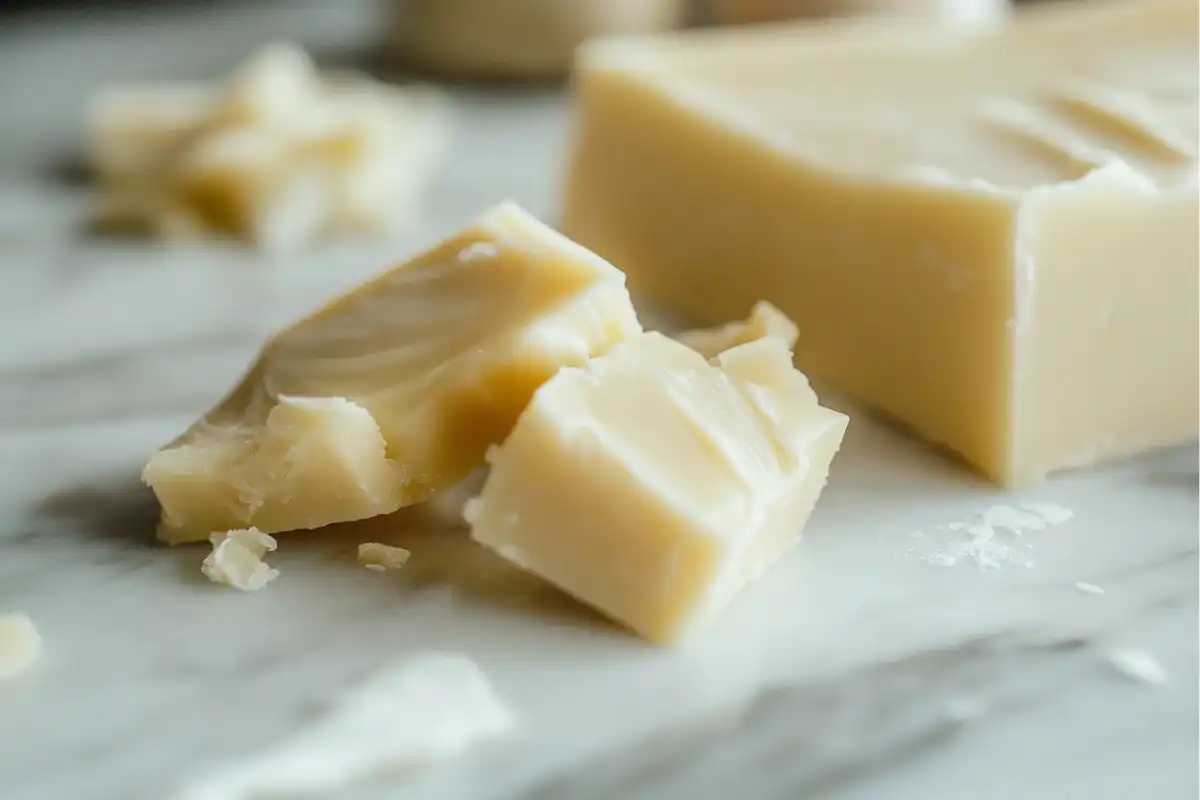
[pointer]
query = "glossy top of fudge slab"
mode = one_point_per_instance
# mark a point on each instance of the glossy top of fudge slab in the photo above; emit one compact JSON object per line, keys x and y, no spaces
{"x":1050,"y":98}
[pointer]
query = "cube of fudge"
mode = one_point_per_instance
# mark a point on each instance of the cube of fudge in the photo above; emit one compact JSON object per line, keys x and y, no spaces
{"x":653,"y":484}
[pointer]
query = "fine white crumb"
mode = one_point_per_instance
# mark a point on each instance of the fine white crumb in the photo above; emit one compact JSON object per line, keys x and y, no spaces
{"x":1138,"y":665}
{"x":237,"y":559}
{"x":20,"y":645}
{"x":1088,"y":588}
{"x":990,"y":539}
{"x":424,"y":710}
{"x":382,"y":557}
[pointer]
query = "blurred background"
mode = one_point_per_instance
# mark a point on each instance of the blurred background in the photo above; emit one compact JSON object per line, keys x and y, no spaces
{"x":502,"y":61}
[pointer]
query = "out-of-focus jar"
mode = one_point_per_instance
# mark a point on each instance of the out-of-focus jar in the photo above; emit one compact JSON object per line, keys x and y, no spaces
{"x":516,"y":39}
{"x":966,"y":12}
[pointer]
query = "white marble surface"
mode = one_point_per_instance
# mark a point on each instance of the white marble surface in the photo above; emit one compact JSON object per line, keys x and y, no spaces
{"x":853,"y":670}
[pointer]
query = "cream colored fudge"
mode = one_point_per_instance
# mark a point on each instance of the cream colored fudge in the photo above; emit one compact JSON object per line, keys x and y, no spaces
{"x":653,"y":484}
{"x":395,"y":390}
{"x":990,"y":237}
{"x":382,"y":557}
{"x":764,"y":320}
{"x":279,"y":154}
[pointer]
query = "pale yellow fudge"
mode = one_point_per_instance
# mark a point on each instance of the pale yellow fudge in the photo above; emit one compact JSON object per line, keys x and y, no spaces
{"x":990,"y":237}
{"x":382,"y":557}
{"x":395,"y":390}
{"x":133,"y":131}
{"x":764,"y":320}
{"x":278,"y":154}
{"x":653,"y":484}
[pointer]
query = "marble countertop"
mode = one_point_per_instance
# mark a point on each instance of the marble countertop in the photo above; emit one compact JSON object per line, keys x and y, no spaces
{"x":858,"y":668}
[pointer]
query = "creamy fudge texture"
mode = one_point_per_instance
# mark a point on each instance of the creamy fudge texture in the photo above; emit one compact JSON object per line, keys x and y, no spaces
{"x":395,"y":390}
{"x":653,"y":484}
{"x":764,"y":320}
{"x":990,"y":237}
{"x":279,"y":154}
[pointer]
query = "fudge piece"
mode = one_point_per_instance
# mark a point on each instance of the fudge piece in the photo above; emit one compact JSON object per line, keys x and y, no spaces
{"x":989,"y":237}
